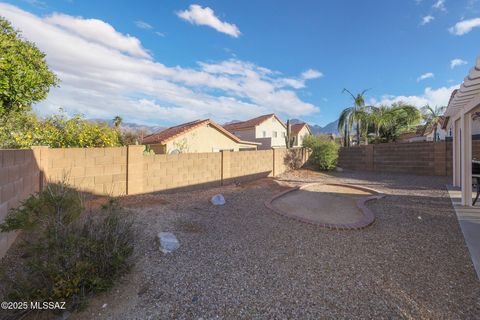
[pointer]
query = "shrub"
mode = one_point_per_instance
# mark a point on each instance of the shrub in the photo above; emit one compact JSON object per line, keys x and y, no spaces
{"x":324,"y":151}
{"x":22,"y":130}
{"x":293,"y":158}
{"x":68,"y":256}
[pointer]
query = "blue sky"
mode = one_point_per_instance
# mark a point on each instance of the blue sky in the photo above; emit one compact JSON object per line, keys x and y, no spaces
{"x":165,"y":62}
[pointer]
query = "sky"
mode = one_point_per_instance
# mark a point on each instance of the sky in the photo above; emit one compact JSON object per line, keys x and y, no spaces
{"x":165,"y":62}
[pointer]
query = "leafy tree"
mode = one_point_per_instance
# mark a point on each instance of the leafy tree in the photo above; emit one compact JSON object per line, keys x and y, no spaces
{"x":354,"y":114}
{"x":24,"y":74}
{"x":432,"y":117}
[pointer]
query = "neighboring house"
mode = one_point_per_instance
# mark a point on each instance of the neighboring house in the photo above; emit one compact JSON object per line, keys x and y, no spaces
{"x":196,"y":136}
{"x":425,"y":133}
{"x":268,"y":130}
{"x":299,"y":131}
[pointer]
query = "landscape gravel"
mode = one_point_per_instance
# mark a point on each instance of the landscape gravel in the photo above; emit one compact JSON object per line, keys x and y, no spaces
{"x":241,"y":260}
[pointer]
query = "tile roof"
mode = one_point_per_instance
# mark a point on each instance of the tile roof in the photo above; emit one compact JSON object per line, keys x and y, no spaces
{"x":166,"y":135}
{"x":251,"y":123}
{"x":296,"y":128}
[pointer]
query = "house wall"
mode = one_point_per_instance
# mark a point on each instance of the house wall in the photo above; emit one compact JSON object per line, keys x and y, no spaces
{"x":127,"y":171}
{"x":269,"y":126}
{"x":300,"y":136}
{"x":202,"y":139}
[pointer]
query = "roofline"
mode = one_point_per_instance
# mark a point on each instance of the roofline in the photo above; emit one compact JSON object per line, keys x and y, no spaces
{"x":253,"y":126}
{"x":199,"y":124}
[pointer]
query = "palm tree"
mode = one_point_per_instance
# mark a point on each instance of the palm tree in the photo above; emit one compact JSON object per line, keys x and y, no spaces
{"x":117,"y":121}
{"x":354,"y":114}
{"x":380,"y":117}
{"x":432,"y":117}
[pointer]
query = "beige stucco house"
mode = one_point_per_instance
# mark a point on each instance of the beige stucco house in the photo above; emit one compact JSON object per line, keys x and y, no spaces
{"x":299,"y":131}
{"x":425,"y":133}
{"x":268,"y":130}
{"x":194,"y":137}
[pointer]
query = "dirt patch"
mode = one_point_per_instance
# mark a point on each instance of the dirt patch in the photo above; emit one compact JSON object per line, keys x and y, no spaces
{"x":189,"y":226}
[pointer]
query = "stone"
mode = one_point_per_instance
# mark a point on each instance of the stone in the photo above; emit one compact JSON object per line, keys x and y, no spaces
{"x":338,"y":169}
{"x":168,"y":242}
{"x":218,"y":200}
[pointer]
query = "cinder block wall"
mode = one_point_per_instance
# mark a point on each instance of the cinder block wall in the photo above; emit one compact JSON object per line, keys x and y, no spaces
{"x":95,"y":170}
{"x":19,"y":177}
{"x":169,"y":172}
{"x":247,"y":165}
{"x":124,"y":171}
{"x":422,"y":158}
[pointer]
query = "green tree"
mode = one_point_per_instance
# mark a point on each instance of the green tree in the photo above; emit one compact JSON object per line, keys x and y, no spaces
{"x":391,"y":121}
{"x":24,"y":74}
{"x":432,"y":117}
{"x":353,"y":115}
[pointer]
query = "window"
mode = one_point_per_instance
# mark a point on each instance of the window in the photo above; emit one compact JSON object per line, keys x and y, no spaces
{"x":274,"y":134}
{"x":264,"y":134}
{"x":283,"y":134}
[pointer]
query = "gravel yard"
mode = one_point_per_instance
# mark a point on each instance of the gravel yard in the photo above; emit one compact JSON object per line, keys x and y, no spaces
{"x":241,"y":260}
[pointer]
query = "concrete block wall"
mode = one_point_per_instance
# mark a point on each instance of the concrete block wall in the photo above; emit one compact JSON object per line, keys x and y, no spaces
{"x":170,"y":172}
{"x":247,"y":165}
{"x":123,"y":171}
{"x":96,"y":170}
{"x":422,"y":158}
{"x":19,"y":177}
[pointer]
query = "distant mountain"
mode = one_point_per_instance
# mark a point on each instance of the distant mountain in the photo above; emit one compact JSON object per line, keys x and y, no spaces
{"x":131,"y":126}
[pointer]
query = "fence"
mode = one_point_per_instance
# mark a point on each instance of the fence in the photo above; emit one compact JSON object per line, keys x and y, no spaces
{"x":421,"y":158}
{"x":127,"y":171}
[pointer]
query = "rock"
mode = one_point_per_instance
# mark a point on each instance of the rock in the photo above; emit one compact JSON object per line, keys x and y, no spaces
{"x":338,"y":169}
{"x":104,"y":306}
{"x":218,"y":200}
{"x":168,"y":242}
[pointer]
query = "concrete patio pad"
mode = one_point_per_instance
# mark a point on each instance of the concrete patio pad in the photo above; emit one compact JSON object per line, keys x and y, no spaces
{"x":469,"y":219}
{"x":329,"y":205}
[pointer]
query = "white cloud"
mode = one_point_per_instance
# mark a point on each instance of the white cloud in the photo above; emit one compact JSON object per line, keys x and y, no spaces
{"x":464,"y":26}
{"x":311,"y":74}
{"x":439,"y":5}
{"x":94,"y":31}
{"x":143,"y":25}
{"x":432,"y":97}
{"x":109,"y":74}
{"x":426,"y":20}
{"x":195,"y":14}
{"x":425,"y":76}
{"x":457,"y":62}
{"x":160,"y":34}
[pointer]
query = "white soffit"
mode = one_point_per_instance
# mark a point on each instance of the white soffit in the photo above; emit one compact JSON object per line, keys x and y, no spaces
{"x":468,"y":93}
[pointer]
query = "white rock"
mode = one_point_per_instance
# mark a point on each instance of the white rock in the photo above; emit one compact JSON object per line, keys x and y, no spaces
{"x":168,"y":242}
{"x":104,"y":306}
{"x":218,"y":200}
{"x":338,"y":169}
{"x":419,"y":218}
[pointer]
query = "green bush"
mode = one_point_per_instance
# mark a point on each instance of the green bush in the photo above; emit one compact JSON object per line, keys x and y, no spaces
{"x":324,"y":151}
{"x":67,"y":256}
{"x":23,"y":130}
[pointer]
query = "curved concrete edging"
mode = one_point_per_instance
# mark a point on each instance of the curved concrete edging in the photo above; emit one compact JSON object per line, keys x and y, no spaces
{"x":368,"y":216}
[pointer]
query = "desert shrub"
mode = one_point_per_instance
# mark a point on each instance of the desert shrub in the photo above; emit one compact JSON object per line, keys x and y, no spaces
{"x":68,"y":255}
{"x":293,"y":158}
{"x":324,"y":151}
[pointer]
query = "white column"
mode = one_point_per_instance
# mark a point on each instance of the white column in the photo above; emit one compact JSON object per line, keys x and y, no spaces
{"x":456,"y":154}
{"x":466,"y":150}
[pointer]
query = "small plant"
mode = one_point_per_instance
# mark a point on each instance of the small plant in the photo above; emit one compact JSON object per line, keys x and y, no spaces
{"x":324,"y":151}
{"x":293,"y":159}
{"x":67,"y":256}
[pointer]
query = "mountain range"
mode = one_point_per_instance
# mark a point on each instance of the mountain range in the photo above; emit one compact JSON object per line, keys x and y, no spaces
{"x":147,"y":129}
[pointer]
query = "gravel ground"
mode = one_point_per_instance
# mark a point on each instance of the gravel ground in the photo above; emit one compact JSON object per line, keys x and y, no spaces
{"x":243,"y":261}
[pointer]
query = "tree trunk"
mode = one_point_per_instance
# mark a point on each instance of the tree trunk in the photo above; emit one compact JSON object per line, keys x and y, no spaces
{"x":435,"y":134}
{"x":358,"y":132}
